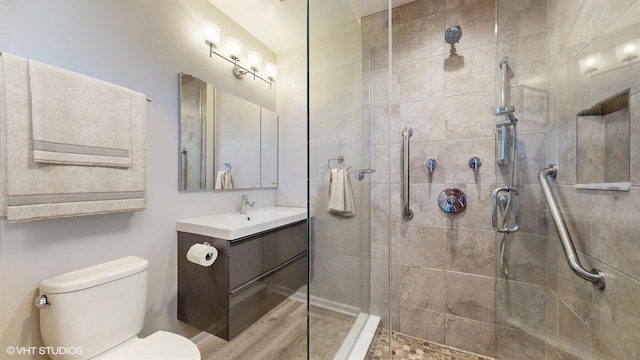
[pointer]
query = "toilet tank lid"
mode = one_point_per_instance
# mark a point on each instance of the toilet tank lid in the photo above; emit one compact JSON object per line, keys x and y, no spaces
{"x":94,"y":275}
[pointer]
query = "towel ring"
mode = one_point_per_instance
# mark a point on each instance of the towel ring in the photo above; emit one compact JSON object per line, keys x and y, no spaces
{"x":228,"y":165}
{"x":339,"y":159}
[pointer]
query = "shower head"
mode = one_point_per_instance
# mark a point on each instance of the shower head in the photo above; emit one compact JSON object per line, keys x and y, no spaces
{"x":453,"y":34}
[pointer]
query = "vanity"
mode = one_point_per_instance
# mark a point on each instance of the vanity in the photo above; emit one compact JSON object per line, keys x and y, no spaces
{"x":261,"y":262}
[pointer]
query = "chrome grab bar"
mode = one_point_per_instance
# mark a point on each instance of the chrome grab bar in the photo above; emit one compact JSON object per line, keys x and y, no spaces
{"x":496,"y":197}
{"x":407,"y":213}
{"x":595,"y":276}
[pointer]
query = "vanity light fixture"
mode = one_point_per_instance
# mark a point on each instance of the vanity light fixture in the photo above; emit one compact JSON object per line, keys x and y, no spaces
{"x":234,"y":48}
{"x":628,"y":51}
{"x":590,"y":63}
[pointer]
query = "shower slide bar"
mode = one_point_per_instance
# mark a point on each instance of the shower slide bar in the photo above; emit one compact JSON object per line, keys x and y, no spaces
{"x":596,"y":276}
{"x":407,"y":213}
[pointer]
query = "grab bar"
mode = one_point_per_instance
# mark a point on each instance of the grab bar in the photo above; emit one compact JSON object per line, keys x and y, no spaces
{"x":407,"y":213}
{"x":595,"y":276}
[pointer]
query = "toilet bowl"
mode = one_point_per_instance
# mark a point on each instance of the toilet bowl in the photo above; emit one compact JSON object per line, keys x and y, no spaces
{"x":100,"y":310}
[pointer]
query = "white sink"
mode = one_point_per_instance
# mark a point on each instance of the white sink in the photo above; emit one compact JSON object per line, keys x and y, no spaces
{"x":235,"y":225}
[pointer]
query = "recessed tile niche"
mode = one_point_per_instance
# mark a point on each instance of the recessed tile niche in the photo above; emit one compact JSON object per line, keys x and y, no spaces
{"x":603,"y":150}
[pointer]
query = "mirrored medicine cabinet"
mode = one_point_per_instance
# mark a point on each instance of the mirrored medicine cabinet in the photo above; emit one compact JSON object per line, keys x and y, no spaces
{"x":226,"y":142}
{"x":603,"y":145}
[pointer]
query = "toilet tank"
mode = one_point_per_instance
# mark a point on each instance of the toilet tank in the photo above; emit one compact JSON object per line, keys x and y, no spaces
{"x":94,"y":309}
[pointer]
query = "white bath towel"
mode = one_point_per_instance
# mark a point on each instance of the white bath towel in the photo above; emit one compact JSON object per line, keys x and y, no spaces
{"x":43,"y":191}
{"x":223,"y":181}
{"x":227,"y":182}
{"x":341,"y":200}
{"x":77,"y":119}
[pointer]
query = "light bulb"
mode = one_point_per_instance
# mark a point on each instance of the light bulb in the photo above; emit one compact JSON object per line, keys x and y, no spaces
{"x":254,"y":59}
{"x":628,"y":51}
{"x":211,"y":33}
{"x":234,"y":47}
{"x":271,"y":70}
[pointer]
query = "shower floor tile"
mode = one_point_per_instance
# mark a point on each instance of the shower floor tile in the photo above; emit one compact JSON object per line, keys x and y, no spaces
{"x":409,"y":348}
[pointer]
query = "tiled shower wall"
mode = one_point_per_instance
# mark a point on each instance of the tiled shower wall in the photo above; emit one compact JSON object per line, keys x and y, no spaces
{"x":442,"y":266}
{"x":583,"y":322}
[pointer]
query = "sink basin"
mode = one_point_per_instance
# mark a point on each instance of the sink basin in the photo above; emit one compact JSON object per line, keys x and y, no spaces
{"x":235,"y":225}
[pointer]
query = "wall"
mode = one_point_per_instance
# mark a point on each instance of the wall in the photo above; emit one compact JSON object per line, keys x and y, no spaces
{"x":142,"y":45}
{"x":442,"y":266}
{"x":583,"y":322}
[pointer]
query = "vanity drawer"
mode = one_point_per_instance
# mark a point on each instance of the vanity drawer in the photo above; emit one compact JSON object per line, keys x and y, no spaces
{"x":252,"y":257}
{"x":253,"y":300}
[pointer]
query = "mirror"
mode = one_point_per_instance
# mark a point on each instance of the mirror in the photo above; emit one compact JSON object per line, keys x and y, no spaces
{"x":603,"y":145}
{"x":226,"y":142}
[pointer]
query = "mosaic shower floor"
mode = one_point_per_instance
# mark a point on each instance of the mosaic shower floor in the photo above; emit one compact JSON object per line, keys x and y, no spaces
{"x":408,"y":348}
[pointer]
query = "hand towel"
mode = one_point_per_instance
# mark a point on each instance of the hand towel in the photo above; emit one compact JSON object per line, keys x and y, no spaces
{"x":227,"y":181}
{"x":77,"y":119}
{"x":43,"y":191}
{"x":341,"y":200}
{"x":219,"y":180}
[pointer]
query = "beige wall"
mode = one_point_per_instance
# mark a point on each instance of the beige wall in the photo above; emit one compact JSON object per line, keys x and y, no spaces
{"x":604,"y":224}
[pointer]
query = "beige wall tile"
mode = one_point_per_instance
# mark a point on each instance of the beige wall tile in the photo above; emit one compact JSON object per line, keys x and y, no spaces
{"x":380,"y":234}
{"x":416,"y":10}
{"x":574,"y":336}
{"x":521,"y":306}
{"x":476,"y":74}
{"x":470,"y":296}
{"x":471,"y":251}
{"x":470,"y":116}
{"x":634,"y":133}
{"x":526,"y":257}
{"x":426,"y":118}
{"x":525,"y":67}
{"x":519,"y":345}
{"x":477,"y":215}
{"x":419,"y":287}
{"x":419,"y":246}
{"x":470,"y":335}
{"x":422,"y":79}
{"x":521,"y":18}
{"x":421,"y":323}
{"x":616,"y":311}
{"x":420,"y":38}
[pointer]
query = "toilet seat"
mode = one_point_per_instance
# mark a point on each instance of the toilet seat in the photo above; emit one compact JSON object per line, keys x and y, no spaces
{"x":159,"y":345}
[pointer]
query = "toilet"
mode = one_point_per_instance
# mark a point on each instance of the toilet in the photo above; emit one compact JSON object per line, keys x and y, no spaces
{"x":96,"y":313}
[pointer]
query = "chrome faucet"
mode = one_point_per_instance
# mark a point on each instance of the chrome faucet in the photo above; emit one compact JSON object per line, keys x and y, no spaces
{"x":243,"y":204}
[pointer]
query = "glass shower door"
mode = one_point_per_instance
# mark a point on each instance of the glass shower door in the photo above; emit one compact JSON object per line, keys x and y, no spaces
{"x":340,"y":132}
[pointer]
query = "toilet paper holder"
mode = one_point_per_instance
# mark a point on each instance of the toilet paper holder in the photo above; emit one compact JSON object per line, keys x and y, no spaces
{"x":209,"y":255}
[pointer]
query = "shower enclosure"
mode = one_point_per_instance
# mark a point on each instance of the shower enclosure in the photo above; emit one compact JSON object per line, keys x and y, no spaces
{"x":494,"y":91}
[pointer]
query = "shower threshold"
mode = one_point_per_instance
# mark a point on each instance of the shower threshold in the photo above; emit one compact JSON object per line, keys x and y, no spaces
{"x":404,"y":347}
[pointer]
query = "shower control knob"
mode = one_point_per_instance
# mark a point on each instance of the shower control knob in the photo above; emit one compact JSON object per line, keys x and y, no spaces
{"x":452,"y":200}
{"x":431,"y":164}
{"x":475,"y":163}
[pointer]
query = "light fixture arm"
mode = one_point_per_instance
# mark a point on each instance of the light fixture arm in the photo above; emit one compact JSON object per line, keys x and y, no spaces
{"x":238,"y":70}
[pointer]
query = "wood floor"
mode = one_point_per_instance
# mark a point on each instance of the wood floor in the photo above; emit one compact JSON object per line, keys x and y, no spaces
{"x":282,"y":335}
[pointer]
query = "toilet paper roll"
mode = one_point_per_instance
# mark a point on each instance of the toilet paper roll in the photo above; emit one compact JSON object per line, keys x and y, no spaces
{"x":201,"y":254}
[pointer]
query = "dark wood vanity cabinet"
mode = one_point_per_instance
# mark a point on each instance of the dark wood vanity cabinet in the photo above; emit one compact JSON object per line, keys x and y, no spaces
{"x":251,"y":276}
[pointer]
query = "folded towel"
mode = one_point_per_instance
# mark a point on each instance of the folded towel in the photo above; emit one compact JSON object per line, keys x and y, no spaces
{"x":341,"y":200}
{"x":223,"y":181}
{"x":42,"y":191}
{"x":219,"y":180}
{"x":77,"y":119}
{"x":227,"y":182}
